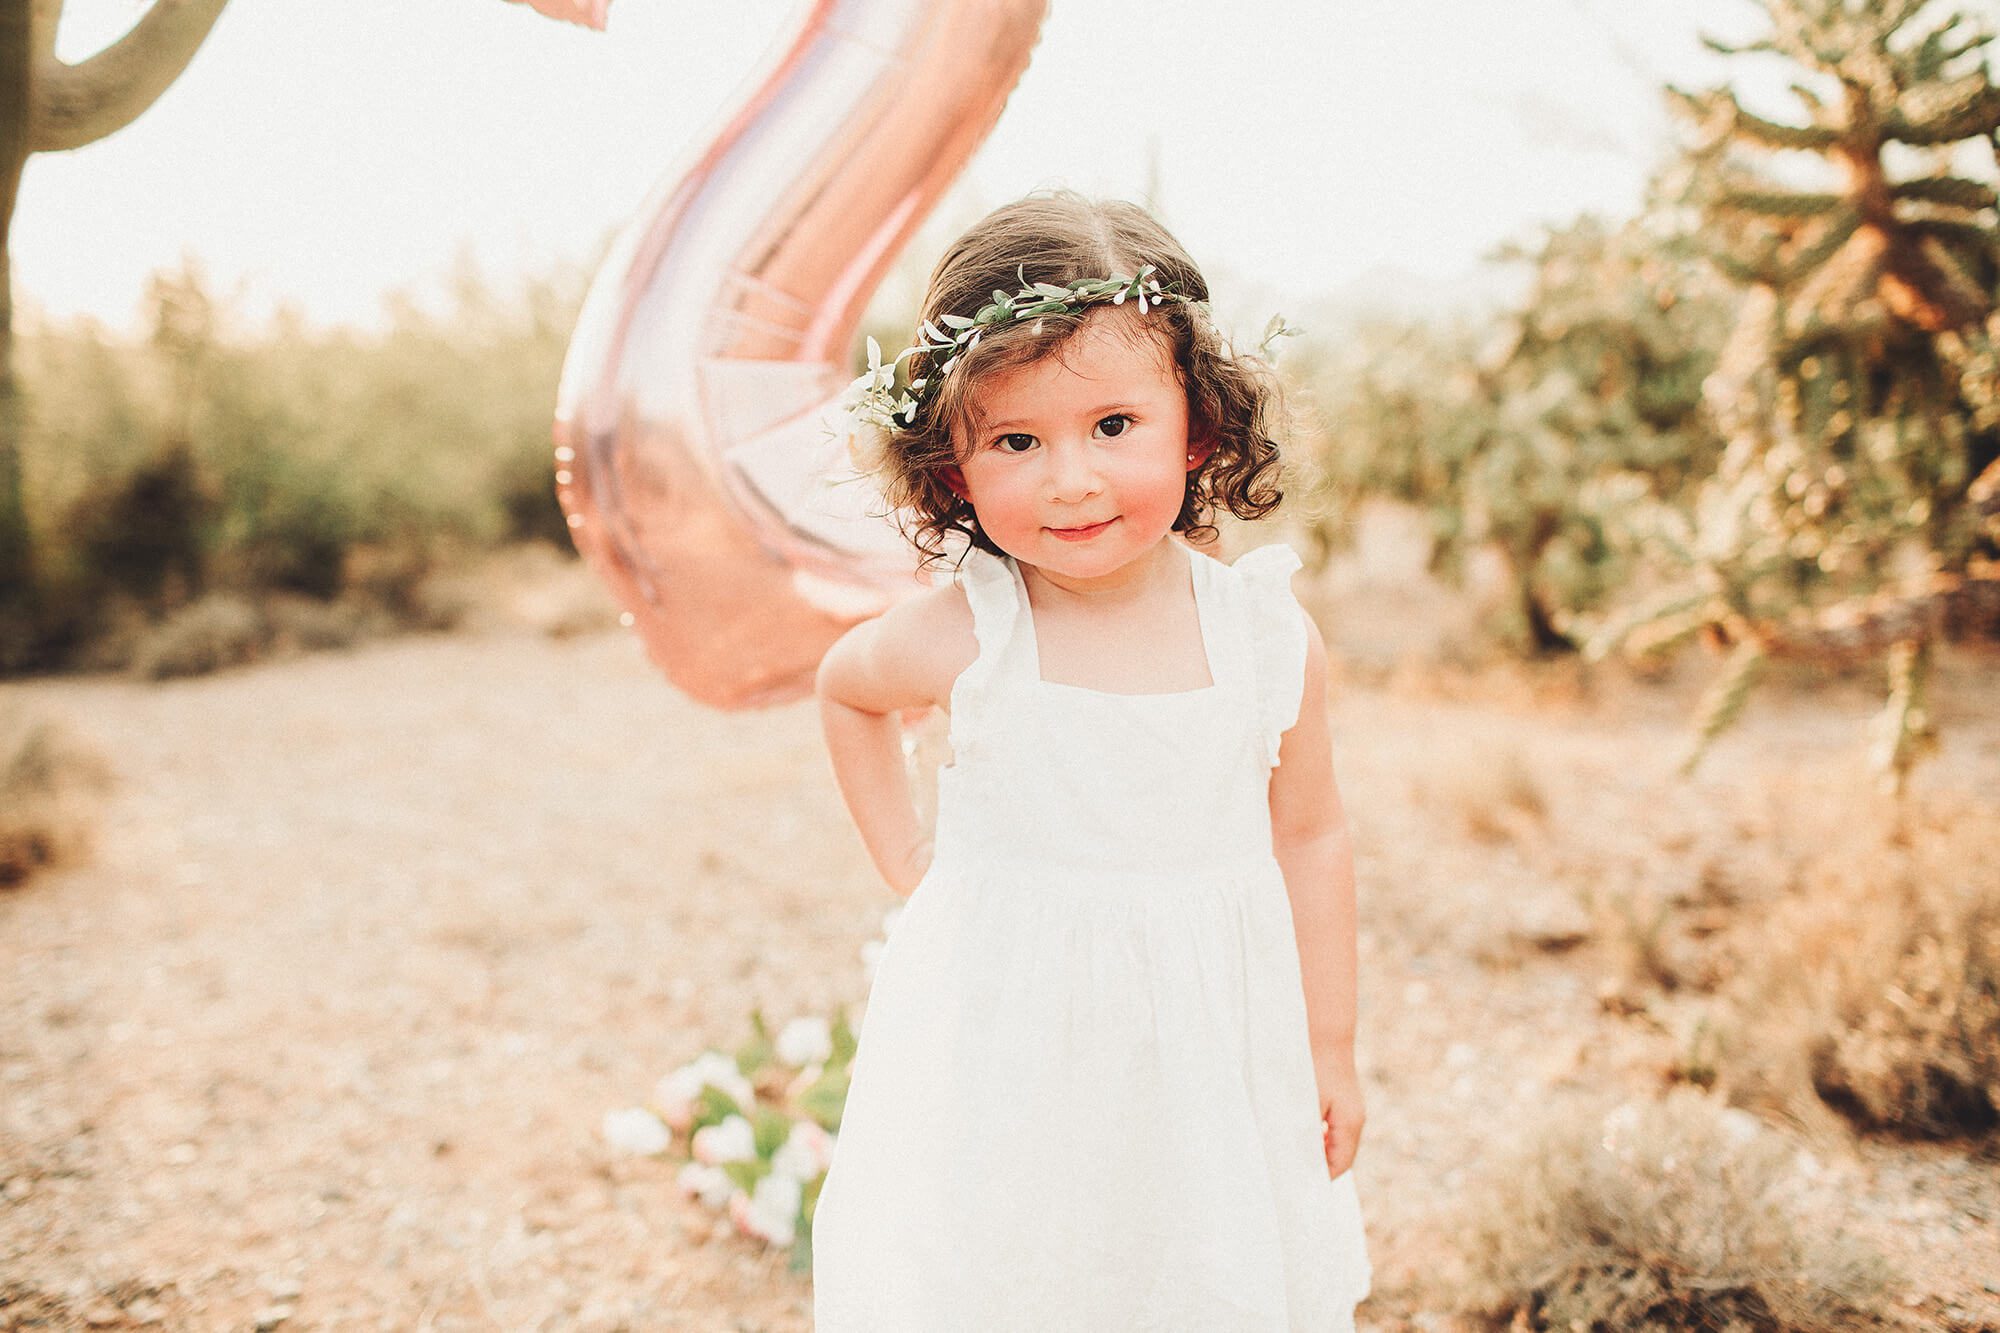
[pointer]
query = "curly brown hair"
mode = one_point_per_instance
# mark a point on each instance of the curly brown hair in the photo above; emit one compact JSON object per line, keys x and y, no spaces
{"x":1234,"y":400}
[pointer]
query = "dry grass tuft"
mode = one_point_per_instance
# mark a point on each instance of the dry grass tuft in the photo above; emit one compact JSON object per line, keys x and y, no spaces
{"x":226,"y":629}
{"x":309,"y":625}
{"x":532,"y":587}
{"x":1665,"y":936}
{"x":1491,"y":788}
{"x":1918,"y":1051}
{"x":51,"y":784}
{"x":1877,"y":991}
{"x":1676,"y":1214}
{"x":219,"y":630}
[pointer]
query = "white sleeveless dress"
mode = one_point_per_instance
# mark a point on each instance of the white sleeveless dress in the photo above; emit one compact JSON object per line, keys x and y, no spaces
{"x":1083,"y":1095}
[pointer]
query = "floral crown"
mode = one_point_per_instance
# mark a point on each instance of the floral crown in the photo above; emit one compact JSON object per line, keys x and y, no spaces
{"x":886,"y":395}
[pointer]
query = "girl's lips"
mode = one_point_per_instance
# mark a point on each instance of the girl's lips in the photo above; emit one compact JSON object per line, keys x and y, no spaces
{"x":1083,"y":534}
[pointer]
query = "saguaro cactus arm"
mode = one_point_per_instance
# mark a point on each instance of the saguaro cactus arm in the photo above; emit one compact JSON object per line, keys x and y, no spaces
{"x":78,"y":104}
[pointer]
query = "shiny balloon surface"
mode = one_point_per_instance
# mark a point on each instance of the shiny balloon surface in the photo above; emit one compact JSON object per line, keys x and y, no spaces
{"x":700,"y":463}
{"x":589,"y":13}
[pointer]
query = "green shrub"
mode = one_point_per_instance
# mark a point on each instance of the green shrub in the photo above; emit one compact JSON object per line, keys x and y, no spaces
{"x":328,"y":464}
{"x":140,"y":534}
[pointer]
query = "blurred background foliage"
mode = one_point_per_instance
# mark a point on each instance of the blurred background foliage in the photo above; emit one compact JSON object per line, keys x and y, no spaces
{"x":329,"y":466}
{"x":1530,"y":433}
{"x":1762,"y":415}
{"x":1855,"y":512}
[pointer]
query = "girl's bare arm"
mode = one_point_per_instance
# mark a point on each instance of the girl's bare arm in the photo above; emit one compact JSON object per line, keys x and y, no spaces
{"x":1309,"y":835}
{"x":870,"y":675}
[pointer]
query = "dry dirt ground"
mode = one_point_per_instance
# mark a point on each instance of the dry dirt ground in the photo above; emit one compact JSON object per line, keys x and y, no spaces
{"x":323,"y":1035}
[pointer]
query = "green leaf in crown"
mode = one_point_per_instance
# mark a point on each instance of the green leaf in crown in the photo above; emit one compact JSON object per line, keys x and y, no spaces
{"x":886,"y":396}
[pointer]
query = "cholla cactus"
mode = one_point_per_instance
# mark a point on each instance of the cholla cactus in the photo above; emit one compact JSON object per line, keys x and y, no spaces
{"x":1856,"y":510}
{"x":1596,"y":386}
{"x":1533,"y":435}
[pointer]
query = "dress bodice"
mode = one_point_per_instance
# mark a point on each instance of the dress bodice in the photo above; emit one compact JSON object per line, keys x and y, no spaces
{"x":1113,"y":785}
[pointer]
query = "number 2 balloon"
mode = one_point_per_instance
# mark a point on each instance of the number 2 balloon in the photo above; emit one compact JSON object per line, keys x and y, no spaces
{"x":698,"y":459}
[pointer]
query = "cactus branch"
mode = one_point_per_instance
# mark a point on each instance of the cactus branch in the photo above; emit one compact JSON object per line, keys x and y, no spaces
{"x":78,"y":104}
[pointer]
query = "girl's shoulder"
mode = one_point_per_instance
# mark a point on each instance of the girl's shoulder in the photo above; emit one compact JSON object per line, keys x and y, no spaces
{"x":933,"y":633}
{"x":906,"y":656}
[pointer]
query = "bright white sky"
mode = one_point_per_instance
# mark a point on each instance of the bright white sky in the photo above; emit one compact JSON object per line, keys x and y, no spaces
{"x":325,"y":153}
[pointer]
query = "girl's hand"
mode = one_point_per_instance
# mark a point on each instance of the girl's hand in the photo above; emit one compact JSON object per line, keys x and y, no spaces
{"x":1341,"y":1111}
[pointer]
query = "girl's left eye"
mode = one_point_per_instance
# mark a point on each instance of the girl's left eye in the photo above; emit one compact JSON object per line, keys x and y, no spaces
{"x":1123,"y":421}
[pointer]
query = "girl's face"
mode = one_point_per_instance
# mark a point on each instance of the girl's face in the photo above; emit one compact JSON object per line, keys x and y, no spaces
{"x":1080,"y":460}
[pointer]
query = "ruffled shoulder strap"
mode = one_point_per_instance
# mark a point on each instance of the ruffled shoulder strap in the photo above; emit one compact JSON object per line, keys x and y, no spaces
{"x":1277,"y":638}
{"x":988,"y":584}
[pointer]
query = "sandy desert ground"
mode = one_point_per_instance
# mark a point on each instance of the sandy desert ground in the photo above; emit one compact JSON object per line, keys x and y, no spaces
{"x":323,"y":1034}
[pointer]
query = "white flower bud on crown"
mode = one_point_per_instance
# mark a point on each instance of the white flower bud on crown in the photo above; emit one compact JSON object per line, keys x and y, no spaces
{"x":885,"y":396}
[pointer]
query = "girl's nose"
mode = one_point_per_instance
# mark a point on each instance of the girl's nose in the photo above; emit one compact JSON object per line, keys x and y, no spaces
{"x":1071,"y":473}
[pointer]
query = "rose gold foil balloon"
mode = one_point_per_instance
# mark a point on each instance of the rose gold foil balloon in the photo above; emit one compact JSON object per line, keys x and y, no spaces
{"x":703,"y":472}
{"x":590,"y":13}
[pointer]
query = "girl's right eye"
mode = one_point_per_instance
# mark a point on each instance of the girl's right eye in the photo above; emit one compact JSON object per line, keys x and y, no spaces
{"x":1001,"y":443}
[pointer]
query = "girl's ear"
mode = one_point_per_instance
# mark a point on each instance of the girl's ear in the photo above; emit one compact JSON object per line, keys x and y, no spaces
{"x":1198,"y":452}
{"x":955,"y":479}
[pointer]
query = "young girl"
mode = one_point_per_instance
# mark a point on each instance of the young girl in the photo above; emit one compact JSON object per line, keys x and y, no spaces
{"x":1105,"y":1079}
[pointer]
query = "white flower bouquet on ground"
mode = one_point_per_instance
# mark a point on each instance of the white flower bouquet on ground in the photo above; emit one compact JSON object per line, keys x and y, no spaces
{"x":755,"y":1128}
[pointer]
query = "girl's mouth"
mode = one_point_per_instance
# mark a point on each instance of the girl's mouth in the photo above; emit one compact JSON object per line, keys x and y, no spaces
{"x":1083,"y":534}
